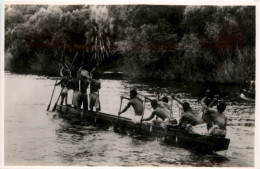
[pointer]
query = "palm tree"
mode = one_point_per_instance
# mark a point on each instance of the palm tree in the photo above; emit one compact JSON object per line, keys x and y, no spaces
{"x":98,"y":42}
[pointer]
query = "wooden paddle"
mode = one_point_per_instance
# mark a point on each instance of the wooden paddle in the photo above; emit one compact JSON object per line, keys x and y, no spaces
{"x":64,"y":86}
{"x":142,"y":117}
{"x":52,"y":93}
{"x":149,"y":99}
{"x":116,"y":126}
{"x":171,"y":108}
{"x":99,"y":102}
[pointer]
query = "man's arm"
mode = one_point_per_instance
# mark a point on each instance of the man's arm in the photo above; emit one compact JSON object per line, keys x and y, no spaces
{"x":180,"y":102}
{"x":202,"y":102}
{"x":182,"y":120}
{"x":212,"y":103}
{"x":149,"y":118}
{"x":173,"y":97}
{"x":125,"y":97}
{"x":90,"y":79}
{"x":59,"y":82}
{"x":126,"y":108}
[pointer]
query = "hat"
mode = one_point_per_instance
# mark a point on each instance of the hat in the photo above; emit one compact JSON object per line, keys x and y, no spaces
{"x":84,"y":74}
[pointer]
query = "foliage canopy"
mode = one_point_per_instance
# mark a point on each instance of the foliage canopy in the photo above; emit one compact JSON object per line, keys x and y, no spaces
{"x":197,"y":43}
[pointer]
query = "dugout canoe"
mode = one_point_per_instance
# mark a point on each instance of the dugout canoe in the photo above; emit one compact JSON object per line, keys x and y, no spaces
{"x":183,"y":138}
{"x":249,"y":96}
{"x":247,"y":91}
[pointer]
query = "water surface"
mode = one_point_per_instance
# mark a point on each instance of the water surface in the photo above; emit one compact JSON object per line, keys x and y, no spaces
{"x":34,"y":136}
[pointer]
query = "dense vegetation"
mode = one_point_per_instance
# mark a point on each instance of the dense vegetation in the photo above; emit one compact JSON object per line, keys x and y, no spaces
{"x":194,"y":43}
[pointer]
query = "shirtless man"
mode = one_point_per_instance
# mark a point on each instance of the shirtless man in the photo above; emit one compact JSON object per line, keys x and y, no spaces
{"x":165,"y":101}
{"x":217,"y":117}
{"x":159,"y":112}
{"x":81,"y":83}
{"x":66,"y":77}
{"x":135,"y":102}
{"x":95,"y":85}
{"x":207,"y":101}
{"x":189,"y":116}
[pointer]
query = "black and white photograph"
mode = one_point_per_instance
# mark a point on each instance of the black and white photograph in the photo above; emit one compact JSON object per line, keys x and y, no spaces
{"x":129,"y":85}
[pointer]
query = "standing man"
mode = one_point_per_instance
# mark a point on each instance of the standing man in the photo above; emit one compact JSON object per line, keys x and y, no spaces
{"x":66,"y":76}
{"x":83,"y":83}
{"x":80,"y":85}
{"x":95,"y":85}
{"x":73,"y":83}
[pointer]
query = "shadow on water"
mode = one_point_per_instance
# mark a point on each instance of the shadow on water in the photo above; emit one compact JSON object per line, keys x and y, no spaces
{"x":208,"y":160}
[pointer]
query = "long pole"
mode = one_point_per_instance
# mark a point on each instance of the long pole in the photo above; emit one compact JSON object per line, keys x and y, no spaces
{"x":64,"y":86}
{"x":52,"y":93}
{"x":56,"y":78}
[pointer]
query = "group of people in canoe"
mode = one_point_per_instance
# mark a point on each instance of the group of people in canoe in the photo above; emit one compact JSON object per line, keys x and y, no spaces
{"x":213,"y":118}
{"x":79,"y":82}
{"x":248,"y":90}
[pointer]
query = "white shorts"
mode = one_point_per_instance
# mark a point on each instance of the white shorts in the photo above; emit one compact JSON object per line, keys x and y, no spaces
{"x":136,"y":119}
{"x":165,"y":123}
{"x":216,"y":131}
{"x":200,"y":129}
{"x":94,"y":100}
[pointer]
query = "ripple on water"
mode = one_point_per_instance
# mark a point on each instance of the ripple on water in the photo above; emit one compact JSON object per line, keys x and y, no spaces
{"x":36,"y":137}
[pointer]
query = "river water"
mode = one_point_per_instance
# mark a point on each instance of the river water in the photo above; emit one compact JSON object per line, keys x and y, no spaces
{"x":36,"y":137}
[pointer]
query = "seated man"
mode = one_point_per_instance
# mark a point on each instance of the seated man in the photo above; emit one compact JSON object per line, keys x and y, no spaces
{"x":135,"y":102}
{"x":207,"y":102}
{"x":219,"y":120}
{"x":189,"y":116}
{"x":159,"y":112}
{"x":207,"y":99}
{"x":165,"y":101}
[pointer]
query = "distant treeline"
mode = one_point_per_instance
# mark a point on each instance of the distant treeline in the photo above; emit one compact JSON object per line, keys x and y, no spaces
{"x":192,"y":43}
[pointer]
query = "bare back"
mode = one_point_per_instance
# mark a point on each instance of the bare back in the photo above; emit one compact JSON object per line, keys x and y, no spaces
{"x":137,"y":105}
{"x":191,"y":117}
{"x":164,"y":106}
{"x":218,"y":118}
{"x":161,"y":112}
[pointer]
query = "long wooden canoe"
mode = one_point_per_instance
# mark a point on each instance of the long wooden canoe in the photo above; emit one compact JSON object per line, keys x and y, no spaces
{"x":202,"y":143}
